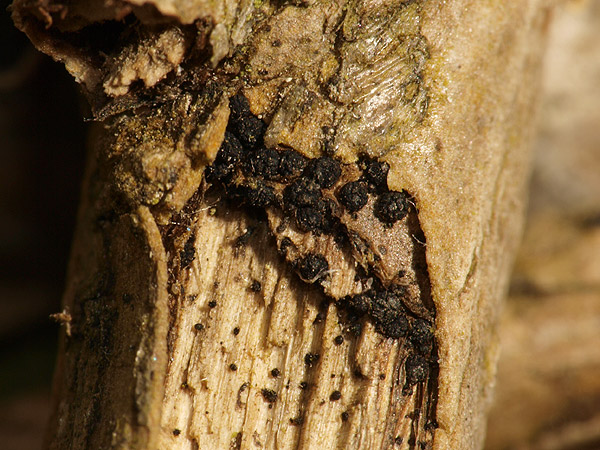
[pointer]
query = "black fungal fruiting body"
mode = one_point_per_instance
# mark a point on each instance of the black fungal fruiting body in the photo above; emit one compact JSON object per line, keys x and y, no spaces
{"x":249,"y":128}
{"x":275,"y":373}
{"x":229,"y":156}
{"x":188,"y":254}
{"x":291,"y":164}
{"x":260,"y":195}
{"x":391,"y":207}
{"x":353,"y":195}
{"x":285,"y":243}
{"x":360,"y":303}
{"x":309,"y":219}
{"x":417,"y":369}
{"x":302,"y":192}
{"x":335,"y":396}
{"x":310,"y":359}
{"x":324,"y":171}
{"x":421,"y":336}
{"x":256,"y":286}
{"x":389,"y":314}
{"x":269,"y":395}
{"x":263,"y":163}
{"x":312,"y":266}
{"x":376,"y":175}
{"x":386,"y":309}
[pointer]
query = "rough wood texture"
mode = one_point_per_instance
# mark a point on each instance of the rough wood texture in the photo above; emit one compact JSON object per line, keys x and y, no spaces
{"x":444,"y":93}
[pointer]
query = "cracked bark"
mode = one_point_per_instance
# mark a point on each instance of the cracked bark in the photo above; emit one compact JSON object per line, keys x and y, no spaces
{"x":189,"y":325}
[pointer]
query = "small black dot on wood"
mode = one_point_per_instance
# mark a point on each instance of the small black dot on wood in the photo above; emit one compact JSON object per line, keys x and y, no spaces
{"x":310,"y":359}
{"x":256,"y":286}
{"x":297,"y":420}
{"x":212,"y":304}
{"x":236,"y":331}
{"x":269,"y":395}
{"x":304,"y":385}
{"x":176,"y":432}
{"x":339,"y":340}
{"x":335,"y":396}
{"x":345,"y":416}
{"x":275,"y":373}
{"x":199,"y":327}
{"x":233,"y":367}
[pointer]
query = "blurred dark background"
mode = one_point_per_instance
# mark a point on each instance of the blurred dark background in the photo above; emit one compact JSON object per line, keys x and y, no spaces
{"x":41,"y":162}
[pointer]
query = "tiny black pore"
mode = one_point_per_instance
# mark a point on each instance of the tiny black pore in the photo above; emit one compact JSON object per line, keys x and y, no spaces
{"x":310,"y":359}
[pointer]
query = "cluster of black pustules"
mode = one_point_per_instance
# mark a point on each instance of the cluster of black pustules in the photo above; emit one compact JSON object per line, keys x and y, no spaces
{"x":391,"y":318}
{"x":249,"y":171}
{"x":306,"y":190}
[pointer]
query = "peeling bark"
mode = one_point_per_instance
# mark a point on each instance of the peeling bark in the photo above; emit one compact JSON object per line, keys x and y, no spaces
{"x":192,"y":324}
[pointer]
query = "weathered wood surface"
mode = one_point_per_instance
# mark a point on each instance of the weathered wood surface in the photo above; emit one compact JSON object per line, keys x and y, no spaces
{"x":444,"y":93}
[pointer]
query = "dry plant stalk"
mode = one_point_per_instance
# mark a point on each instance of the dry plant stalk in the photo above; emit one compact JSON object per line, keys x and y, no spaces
{"x":246,"y":273}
